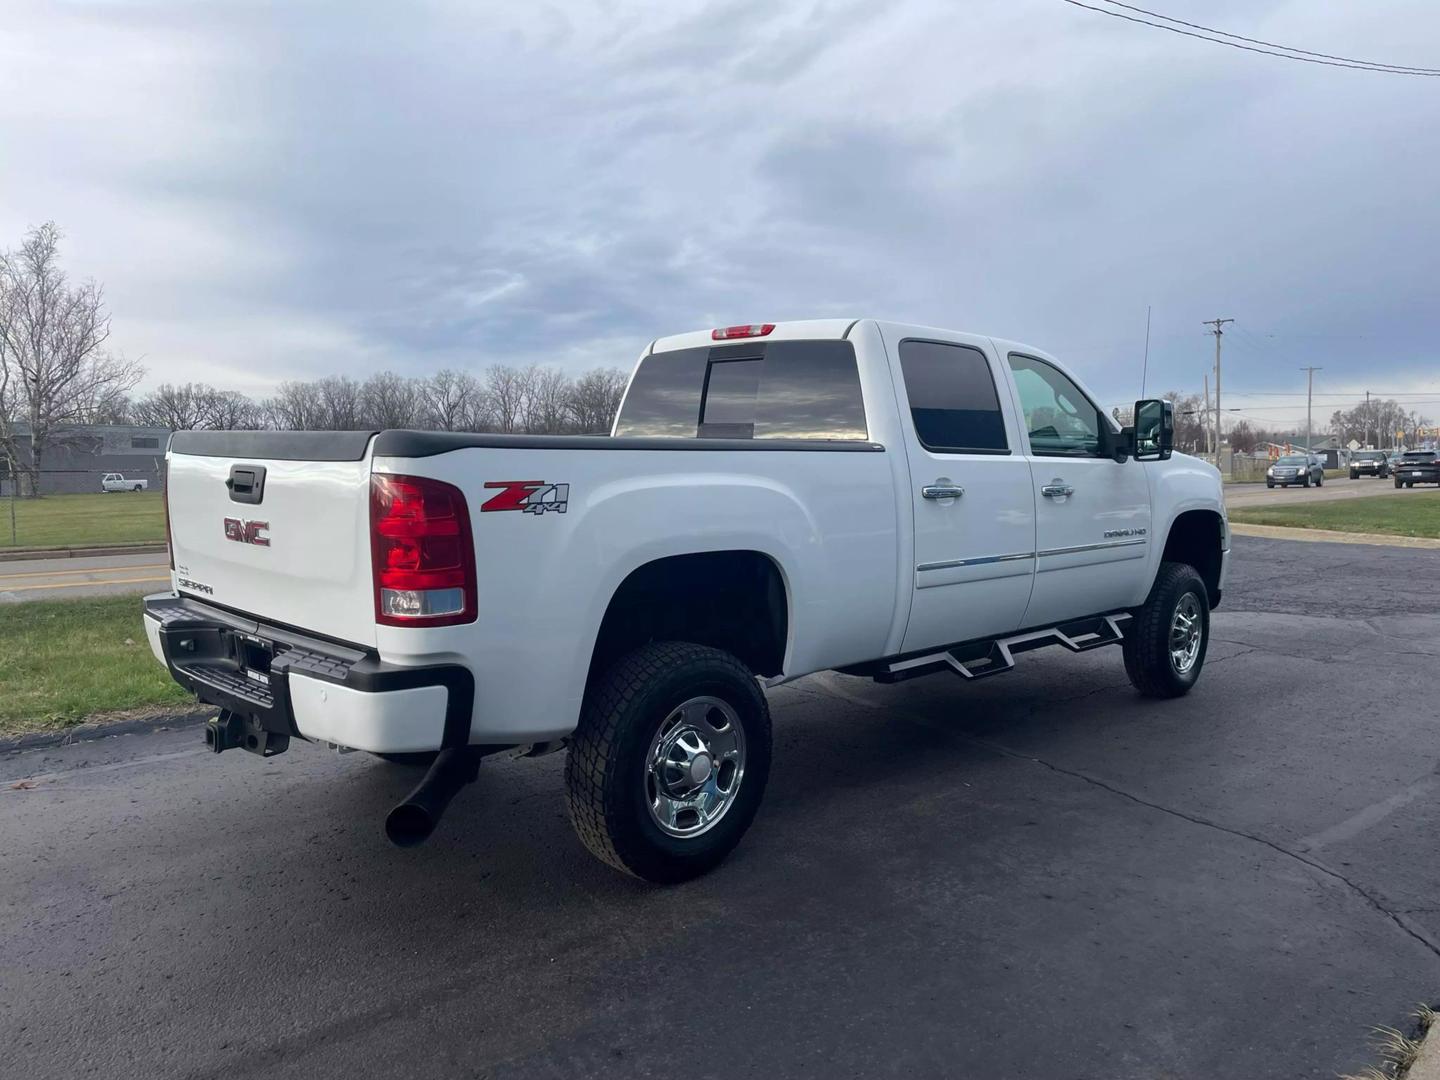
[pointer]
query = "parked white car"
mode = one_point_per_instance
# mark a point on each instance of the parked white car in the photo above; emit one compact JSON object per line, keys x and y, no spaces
{"x":115,"y":481}
{"x":775,"y":500}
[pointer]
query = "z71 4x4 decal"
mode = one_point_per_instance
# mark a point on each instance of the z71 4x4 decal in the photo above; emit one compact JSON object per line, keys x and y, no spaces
{"x":531,"y":496}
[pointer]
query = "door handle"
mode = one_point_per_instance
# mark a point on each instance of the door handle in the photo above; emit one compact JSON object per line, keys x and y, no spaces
{"x":942,"y":491}
{"x":1057,"y":489}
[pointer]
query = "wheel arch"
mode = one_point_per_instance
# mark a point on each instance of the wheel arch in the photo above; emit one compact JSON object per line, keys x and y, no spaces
{"x":737,"y":600}
{"x":1197,"y":537}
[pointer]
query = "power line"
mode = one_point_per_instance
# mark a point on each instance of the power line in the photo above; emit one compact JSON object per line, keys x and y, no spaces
{"x":1384,"y":70}
{"x":1402,"y":68}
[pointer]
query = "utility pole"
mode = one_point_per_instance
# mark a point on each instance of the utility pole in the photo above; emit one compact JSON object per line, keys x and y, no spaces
{"x":1310,"y":397}
{"x":1218,"y":332}
{"x":1367,"y":422}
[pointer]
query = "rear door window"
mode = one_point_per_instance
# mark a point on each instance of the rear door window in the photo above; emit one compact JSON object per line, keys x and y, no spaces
{"x":953,"y":402}
{"x":764,"y":390}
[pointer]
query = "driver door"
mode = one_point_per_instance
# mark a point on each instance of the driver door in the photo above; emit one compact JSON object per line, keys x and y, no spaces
{"x":1092,"y":513}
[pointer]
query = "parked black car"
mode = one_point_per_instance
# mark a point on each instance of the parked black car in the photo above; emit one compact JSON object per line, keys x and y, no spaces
{"x":1417,"y":467}
{"x":1299,"y":469}
{"x":1369,"y":463}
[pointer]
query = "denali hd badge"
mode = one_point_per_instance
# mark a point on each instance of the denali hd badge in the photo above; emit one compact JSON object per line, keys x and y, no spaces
{"x":531,"y":496}
{"x":1112,"y":533}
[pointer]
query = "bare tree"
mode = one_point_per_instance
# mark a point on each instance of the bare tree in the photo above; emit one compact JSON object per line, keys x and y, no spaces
{"x":342,"y":403}
{"x":1379,"y":419}
{"x":1190,"y":421}
{"x":1243,"y":437}
{"x":508,"y":389}
{"x":111,"y":405}
{"x":390,"y":401}
{"x":548,"y":403}
{"x":228,"y":410}
{"x":452,"y":401}
{"x":54,"y":369}
{"x":175,"y":408}
{"x":595,"y":399}
{"x":296,"y":406}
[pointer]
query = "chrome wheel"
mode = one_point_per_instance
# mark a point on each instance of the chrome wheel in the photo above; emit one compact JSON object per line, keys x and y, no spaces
{"x":695,"y":766}
{"x":1186,"y":628}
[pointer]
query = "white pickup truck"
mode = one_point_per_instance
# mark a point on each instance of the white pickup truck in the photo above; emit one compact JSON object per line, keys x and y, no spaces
{"x":114,"y":481}
{"x":774,"y":500}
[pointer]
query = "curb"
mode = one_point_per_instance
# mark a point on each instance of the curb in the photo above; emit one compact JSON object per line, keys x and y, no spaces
{"x":1333,"y":536}
{"x":43,"y":740}
{"x":81,"y":552}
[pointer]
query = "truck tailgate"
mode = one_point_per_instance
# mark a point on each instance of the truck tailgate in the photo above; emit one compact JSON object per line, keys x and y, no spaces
{"x":299,"y":556}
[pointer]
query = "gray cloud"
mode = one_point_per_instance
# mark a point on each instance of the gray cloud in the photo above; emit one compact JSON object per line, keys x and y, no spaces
{"x":279,"y":191}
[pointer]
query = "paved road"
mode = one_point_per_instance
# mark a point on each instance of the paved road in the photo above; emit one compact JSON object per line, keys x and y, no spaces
{"x":1037,"y":876}
{"x":109,"y":575}
{"x":1344,"y":488}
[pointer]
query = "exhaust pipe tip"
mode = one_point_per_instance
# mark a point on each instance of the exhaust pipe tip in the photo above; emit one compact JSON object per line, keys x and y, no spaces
{"x":409,"y":825}
{"x":413,"y":821}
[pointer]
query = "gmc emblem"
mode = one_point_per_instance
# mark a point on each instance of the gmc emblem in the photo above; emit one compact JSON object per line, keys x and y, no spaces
{"x":247,"y":532}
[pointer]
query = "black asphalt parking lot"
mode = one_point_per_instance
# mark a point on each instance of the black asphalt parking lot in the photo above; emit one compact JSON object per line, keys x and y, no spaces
{"x":1040,"y":875}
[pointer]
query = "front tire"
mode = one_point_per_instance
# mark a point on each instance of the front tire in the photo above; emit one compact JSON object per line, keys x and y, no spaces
{"x":1398,"y":483}
{"x":1269,"y":483}
{"x":1168,"y":635}
{"x":668,"y":764}
{"x":1319,"y":481}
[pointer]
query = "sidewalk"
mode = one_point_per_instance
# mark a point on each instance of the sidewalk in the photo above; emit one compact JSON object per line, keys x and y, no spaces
{"x":1333,"y":536}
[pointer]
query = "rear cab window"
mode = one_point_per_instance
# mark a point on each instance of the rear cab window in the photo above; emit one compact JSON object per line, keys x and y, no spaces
{"x":761,"y":390}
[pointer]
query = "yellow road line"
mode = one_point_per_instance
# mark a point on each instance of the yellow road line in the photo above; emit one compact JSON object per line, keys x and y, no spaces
{"x":91,"y":570}
{"x":82,"y":584}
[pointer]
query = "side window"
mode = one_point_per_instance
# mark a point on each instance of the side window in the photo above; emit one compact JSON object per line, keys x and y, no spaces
{"x":1060,"y":419}
{"x":952,"y":398}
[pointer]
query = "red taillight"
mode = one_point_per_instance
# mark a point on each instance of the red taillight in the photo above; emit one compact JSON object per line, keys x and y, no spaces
{"x":726,"y":333}
{"x":422,"y":553}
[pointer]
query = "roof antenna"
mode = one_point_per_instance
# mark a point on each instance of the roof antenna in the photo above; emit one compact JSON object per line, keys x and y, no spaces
{"x":1145,"y":365}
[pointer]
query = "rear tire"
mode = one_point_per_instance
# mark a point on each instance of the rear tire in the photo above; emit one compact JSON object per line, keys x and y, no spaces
{"x":640,"y":796}
{"x":1168,"y":635}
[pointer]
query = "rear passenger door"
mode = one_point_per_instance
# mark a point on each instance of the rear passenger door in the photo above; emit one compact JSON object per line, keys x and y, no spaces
{"x":971,"y":490}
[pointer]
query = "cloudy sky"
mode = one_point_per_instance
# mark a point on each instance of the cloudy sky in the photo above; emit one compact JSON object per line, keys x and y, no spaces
{"x":282,"y":190}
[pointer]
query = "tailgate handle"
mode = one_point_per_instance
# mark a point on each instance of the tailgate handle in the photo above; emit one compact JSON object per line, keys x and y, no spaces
{"x":246,"y":483}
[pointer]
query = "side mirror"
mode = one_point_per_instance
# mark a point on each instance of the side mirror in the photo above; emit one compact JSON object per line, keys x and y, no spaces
{"x":1154,"y":430}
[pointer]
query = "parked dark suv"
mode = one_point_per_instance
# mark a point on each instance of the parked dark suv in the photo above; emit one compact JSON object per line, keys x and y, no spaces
{"x":1369,"y":463}
{"x":1417,"y":467}
{"x":1299,"y":469}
